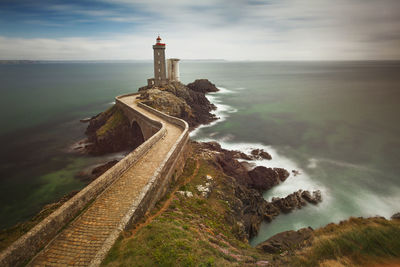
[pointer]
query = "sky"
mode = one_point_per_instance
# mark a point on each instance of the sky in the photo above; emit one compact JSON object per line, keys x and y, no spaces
{"x":200,"y":29}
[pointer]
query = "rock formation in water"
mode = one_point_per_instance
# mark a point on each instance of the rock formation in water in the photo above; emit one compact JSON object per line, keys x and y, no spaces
{"x":110,"y":130}
{"x":245,"y":189}
{"x":203,"y":86}
{"x":178,"y":100}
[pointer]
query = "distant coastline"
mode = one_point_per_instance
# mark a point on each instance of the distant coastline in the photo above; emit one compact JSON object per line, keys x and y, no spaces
{"x":16,"y":61}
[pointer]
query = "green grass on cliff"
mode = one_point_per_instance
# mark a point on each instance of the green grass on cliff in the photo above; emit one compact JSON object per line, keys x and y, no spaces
{"x":116,"y":118}
{"x":192,"y":231}
{"x":355,"y":242}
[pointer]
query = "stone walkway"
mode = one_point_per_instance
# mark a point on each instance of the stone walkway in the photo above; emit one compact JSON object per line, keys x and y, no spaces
{"x":80,"y":241}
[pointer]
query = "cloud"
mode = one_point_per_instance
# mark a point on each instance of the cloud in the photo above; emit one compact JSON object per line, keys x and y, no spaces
{"x":236,"y":30}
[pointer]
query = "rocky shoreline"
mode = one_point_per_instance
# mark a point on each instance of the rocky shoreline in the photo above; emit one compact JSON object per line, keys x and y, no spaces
{"x":109,"y":132}
{"x":240,"y":189}
{"x":249,"y":206}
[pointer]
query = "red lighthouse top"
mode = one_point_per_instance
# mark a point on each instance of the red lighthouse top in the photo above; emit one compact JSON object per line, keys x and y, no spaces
{"x":158,"y":42}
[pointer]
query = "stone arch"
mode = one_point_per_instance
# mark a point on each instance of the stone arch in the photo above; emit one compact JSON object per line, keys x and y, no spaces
{"x":137,"y":133}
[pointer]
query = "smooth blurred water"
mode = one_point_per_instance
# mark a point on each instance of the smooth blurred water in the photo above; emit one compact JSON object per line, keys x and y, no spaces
{"x":40,"y":111}
{"x":336,"y":122}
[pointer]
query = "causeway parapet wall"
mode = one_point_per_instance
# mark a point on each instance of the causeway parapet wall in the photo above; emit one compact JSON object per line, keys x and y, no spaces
{"x":172,"y":166}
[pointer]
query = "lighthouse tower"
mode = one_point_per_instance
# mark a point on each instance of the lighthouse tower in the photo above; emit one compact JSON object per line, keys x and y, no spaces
{"x":160,"y":76}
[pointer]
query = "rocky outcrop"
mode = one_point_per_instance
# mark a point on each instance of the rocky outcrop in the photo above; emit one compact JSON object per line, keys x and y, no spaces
{"x":203,"y":86}
{"x":396,"y":216}
{"x":296,"y":200}
{"x":260,"y":154}
{"x":95,"y":172}
{"x":313,"y":198}
{"x":168,"y":103}
{"x":180,"y":101}
{"x":110,"y":131}
{"x":249,"y":208}
{"x":287,"y":241}
{"x":263,"y":178}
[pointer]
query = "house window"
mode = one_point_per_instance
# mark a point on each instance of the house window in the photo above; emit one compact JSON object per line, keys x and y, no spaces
{"x":159,"y":70}
{"x":158,"y":53}
{"x":158,"y":62}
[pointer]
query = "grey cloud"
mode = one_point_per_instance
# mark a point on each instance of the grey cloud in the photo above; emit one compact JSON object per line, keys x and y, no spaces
{"x":252,"y":29}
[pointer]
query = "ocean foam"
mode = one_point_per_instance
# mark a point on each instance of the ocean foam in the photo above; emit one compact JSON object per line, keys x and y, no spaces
{"x":222,"y":112}
{"x":223,"y":90}
{"x":293,"y":182}
{"x":373,"y":205}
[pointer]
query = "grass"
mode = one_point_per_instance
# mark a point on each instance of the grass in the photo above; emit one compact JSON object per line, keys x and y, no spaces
{"x":116,"y":118}
{"x":192,"y":231}
{"x":355,"y":242}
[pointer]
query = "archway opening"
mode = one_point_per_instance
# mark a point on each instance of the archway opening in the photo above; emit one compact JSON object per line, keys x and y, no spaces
{"x":137,"y":134}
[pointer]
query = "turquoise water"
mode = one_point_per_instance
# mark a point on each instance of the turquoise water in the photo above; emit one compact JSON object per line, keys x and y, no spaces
{"x":335,"y":122}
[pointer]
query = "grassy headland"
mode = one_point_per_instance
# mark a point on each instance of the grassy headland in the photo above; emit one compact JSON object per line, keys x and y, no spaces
{"x":190,"y":230}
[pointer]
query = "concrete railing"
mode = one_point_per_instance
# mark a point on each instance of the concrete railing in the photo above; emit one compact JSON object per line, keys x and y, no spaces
{"x":33,"y":241}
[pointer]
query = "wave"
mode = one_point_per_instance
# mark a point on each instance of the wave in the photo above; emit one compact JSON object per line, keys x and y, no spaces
{"x":223,"y":90}
{"x":313,"y":162}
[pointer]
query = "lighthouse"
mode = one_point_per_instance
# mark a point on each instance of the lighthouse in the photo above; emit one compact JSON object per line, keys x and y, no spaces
{"x":160,"y":75}
{"x":160,"y":72}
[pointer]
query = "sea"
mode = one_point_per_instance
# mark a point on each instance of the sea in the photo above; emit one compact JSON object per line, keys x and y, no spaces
{"x":336,"y":123}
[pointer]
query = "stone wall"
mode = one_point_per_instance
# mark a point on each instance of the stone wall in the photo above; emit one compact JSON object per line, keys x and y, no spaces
{"x":156,"y":188}
{"x":32,"y":242}
{"x":148,"y":126}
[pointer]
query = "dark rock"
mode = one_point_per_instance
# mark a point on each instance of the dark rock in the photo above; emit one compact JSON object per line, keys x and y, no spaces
{"x":290,"y":202}
{"x":103,"y":168}
{"x":110,"y":131}
{"x":215,"y":146}
{"x":249,"y":208}
{"x":260,"y":154}
{"x":202,"y":86}
{"x":296,"y":200}
{"x":240,"y":155}
{"x":396,"y":216}
{"x":282,"y":173}
{"x":91,"y":174}
{"x":287,"y":241}
{"x":248,"y":165}
{"x":263,"y":178}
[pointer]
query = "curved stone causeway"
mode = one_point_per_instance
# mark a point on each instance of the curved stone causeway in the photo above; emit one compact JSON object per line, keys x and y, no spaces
{"x":112,"y":202}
